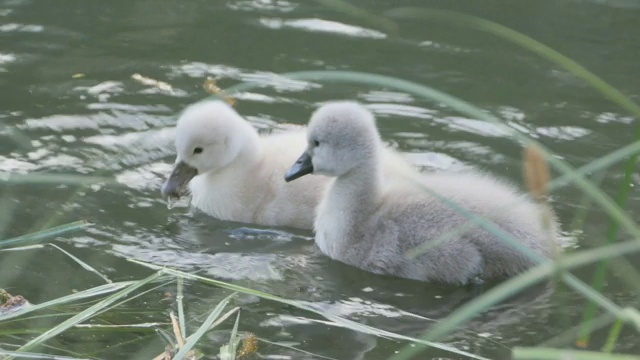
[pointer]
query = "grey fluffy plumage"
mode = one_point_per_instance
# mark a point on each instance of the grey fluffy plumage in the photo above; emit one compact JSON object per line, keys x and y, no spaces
{"x":370,"y":221}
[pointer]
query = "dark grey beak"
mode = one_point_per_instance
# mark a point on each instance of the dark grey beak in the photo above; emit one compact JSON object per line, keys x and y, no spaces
{"x":176,"y":184}
{"x":302,"y":167}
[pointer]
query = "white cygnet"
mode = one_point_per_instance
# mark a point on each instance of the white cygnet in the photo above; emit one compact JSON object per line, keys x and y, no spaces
{"x":235,"y":174}
{"x":371,"y":221}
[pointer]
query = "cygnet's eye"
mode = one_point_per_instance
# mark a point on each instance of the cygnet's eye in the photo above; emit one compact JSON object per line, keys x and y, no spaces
{"x":197,"y":150}
{"x":316,"y":143}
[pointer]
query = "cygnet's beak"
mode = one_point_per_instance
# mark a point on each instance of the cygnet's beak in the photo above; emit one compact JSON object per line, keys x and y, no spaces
{"x":302,"y":167}
{"x":176,"y":184}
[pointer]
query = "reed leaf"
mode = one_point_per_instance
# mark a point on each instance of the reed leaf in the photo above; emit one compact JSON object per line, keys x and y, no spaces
{"x":336,"y":320}
{"x":521,"y":353}
{"x":82,"y":263}
{"x":516,"y":284}
{"x":229,"y":351}
{"x":206,"y":325}
{"x":524,"y":41}
{"x":95,"y":291}
{"x":612,"y":338}
{"x":45,"y":234}
{"x":87,"y":313}
{"x":29,"y":355}
{"x":179,"y":300}
{"x":568,"y":336}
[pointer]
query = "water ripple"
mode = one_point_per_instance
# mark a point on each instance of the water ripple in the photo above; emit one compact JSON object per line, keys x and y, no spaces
{"x":14,"y":27}
{"x":385,"y":110}
{"x":477,"y":127}
{"x":278,"y":82}
{"x":563,"y":132}
{"x":228,"y":266}
{"x":387,"y":96}
{"x":322,"y":26}
{"x":263,"y":5}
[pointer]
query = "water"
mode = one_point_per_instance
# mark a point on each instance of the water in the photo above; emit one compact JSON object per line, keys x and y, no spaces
{"x":69,"y":105}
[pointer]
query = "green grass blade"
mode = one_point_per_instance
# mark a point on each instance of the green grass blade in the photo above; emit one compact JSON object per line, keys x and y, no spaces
{"x":45,"y":234}
{"x":612,"y":232}
{"x":568,"y":336}
{"x":229,"y":351}
{"x":336,"y":320}
{"x":612,"y":338}
{"x":584,"y":207}
{"x":206,"y":325}
{"x":167,"y":337}
{"x":7,"y":211}
{"x":82,"y":263}
{"x":233,"y":341}
{"x":122,"y":327}
{"x":632,"y":313}
{"x":87,"y":313}
{"x":95,"y":291}
{"x":224,"y":317}
{"x":520,"y":353}
{"x":601,"y":163}
{"x":23,"y":355}
{"x":514,"y":285}
{"x":632,"y":277}
{"x":22,"y":248}
{"x":179,"y":298}
{"x":524,"y":41}
{"x":597,"y":298}
{"x":159,"y":285}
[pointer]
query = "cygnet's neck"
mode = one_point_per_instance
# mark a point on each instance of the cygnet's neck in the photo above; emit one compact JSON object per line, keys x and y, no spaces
{"x":248,"y":154}
{"x":359,"y":188}
{"x":249,"y":144}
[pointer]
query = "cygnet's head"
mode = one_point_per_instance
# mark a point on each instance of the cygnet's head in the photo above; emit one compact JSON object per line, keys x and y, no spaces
{"x":342,"y":135}
{"x":209,"y":136}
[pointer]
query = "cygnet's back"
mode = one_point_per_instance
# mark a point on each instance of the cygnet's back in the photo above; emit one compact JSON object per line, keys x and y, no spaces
{"x":371,"y":221}
{"x":235,"y":174}
{"x":469,"y":250}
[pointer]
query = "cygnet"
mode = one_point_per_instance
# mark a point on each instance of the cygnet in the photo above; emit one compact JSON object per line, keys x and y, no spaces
{"x":371,"y":221}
